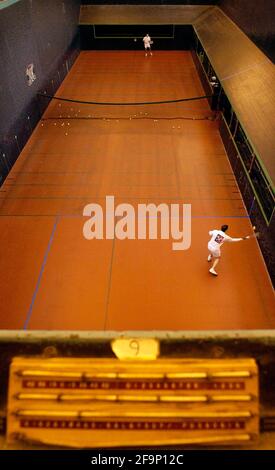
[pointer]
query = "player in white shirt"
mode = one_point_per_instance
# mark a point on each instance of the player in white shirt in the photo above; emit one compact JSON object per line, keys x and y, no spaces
{"x":147,"y":44}
{"x":218,"y":238}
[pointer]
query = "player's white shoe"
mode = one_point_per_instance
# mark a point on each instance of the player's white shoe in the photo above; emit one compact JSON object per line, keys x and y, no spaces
{"x":209,"y":258}
{"x":212,"y":271}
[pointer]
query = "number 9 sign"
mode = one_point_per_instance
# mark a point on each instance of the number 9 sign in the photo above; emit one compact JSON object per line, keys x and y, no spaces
{"x":135,"y":348}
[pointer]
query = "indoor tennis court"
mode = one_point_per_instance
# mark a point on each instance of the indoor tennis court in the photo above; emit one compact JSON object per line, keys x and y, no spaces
{"x":52,"y":278}
{"x":132,"y":133}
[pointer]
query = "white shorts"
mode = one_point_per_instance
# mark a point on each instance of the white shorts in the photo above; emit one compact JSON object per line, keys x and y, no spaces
{"x":215,"y":252}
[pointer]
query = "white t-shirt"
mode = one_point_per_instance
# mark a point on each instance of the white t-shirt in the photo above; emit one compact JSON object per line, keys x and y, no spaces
{"x":147,"y":41}
{"x":218,"y":238}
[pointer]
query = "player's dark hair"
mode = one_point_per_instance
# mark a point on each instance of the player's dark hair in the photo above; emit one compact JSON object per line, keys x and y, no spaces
{"x":224,"y":228}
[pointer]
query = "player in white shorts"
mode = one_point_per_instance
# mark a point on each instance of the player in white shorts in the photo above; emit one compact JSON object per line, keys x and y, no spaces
{"x":147,"y":44}
{"x":218,"y":237}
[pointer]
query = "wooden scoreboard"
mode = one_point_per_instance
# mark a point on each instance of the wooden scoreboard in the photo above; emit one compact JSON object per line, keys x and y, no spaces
{"x":89,"y":403}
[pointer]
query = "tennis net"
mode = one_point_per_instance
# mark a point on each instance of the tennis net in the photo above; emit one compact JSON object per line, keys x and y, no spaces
{"x":193,"y":108}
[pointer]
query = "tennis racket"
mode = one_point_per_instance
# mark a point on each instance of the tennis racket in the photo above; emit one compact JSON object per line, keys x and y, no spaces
{"x":254,"y":234}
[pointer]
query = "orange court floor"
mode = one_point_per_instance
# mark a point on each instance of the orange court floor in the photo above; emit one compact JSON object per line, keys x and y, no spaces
{"x":52,"y":278}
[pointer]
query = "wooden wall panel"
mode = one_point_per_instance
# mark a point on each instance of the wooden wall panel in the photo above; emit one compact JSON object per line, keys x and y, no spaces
{"x":248,"y":78}
{"x":140,"y":14}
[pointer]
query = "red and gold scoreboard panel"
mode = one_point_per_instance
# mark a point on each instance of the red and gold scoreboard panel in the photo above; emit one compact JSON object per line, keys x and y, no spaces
{"x":93,"y":402}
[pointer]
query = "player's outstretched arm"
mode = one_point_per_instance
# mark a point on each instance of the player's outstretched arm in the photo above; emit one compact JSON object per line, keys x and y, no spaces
{"x":230,"y":239}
